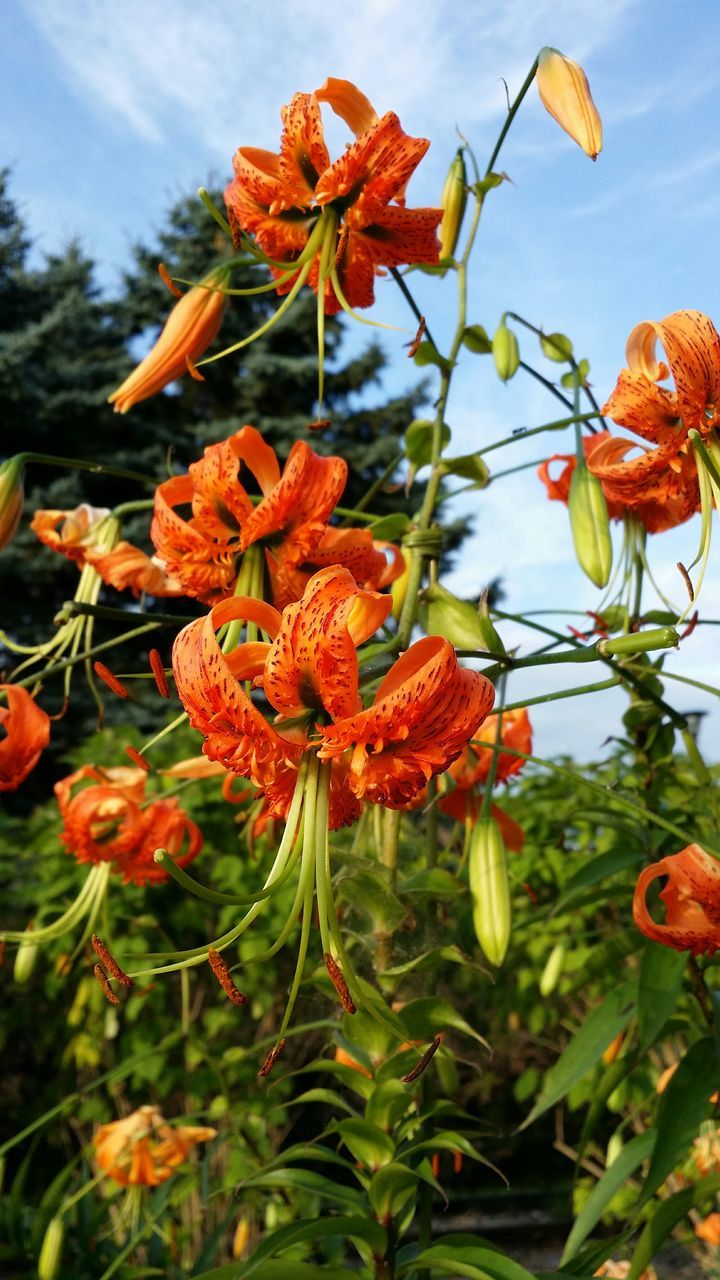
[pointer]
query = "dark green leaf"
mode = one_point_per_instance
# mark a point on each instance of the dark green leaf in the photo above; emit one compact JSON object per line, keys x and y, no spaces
{"x":631,"y":1156}
{"x":683,"y":1106}
{"x":659,"y":985}
{"x":667,"y":1214}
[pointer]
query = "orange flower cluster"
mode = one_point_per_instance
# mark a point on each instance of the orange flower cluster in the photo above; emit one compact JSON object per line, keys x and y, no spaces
{"x":424,"y":712}
{"x":282,"y":199}
{"x":660,"y":487}
{"x":691,"y":898}
{"x":74,"y":535}
{"x":110,"y":820}
{"x":290,"y":522}
{"x":25,"y":732}
{"x":143,"y":1150}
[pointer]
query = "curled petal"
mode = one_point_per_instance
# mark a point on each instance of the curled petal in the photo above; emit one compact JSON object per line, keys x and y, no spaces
{"x":128,"y":567}
{"x":425,"y":711}
{"x":660,"y":487}
{"x":303,"y":154}
{"x":312,"y":664}
{"x":472,"y":768}
{"x":380,"y":163}
{"x":164,"y":826}
{"x":69,"y":532}
{"x":206,"y":569}
{"x":24,"y":734}
{"x":300,"y":504}
{"x":692,"y":346}
{"x":349,"y":103}
{"x":691,"y":898}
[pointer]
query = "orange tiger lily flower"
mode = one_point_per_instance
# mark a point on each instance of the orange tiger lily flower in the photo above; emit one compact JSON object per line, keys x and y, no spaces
{"x":191,"y":326}
{"x":425,"y":709}
{"x":466,"y":806}
{"x":691,"y":898}
{"x":143,"y":1150}
{"x":109,"y":820}
{"x":359,"y":200}
{"x":72,"y":533}
{"x":472,"y":768}
{"x":709,"y":1229}
{"x":660,"y":488}
{"x":290,"y":521}
{"x":24,"y":734}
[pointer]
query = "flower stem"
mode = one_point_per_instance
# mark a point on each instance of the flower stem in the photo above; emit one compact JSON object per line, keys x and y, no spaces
{"x":96,"y":468}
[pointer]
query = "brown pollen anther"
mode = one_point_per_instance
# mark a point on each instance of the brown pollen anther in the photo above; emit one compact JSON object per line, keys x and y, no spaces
{"x":222,"y":973}
{"x":158,"y":669}
{"x":105,"y":985}
{"x":169,"y":283}
{"x":339,"y":983}
{"x":424,"y":1062}
{"x":110,"y":962}
{"x":272,"y":1058}
{"x":105,"y":674}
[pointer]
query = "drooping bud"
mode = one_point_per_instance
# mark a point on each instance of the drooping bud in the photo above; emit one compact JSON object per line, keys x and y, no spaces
{"x":490,"y":889}
{"x":590,"y":526}
{"x":552,"y":970}
{"x":565,"y":93}
{"x":51,"y":1251}
{"x":12,"y":496}
{"x":453,"y":202}
{"x":398,"y":589}
{"x":191,"y":326}
{"x":25,"y":961}
{"x":506,"y":352}
{"x":241,"y":1238}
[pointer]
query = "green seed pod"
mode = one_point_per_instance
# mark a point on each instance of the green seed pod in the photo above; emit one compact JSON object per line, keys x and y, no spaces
{"x":640,"y":642}
{"x":590,"y":526}
{"x":490,"y":889}
{"x":453,"y":202}
{"x":506,"y":352}
{"x":51,"y":1251}
{"x":552,"y":970}
{"x":25,"y":960}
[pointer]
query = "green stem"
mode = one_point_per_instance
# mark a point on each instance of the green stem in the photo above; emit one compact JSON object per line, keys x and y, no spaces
{"x":511,"y":116}
{"x":88,"y":653}
{"x":522,"y":434}
{"x":76,"y":608}
{"x":96,"y":468}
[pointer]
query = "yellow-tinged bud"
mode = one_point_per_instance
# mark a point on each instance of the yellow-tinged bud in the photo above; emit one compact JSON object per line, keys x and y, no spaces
{"x":590,"y":526}
{"x":565,"y":93}
{"x":490,"y":889}
{"x":12,"y":496}
{"x":453,"y":202}
{"x":25,"y":959}
{"x":614,"y":1147}
{"x":241,"y":1239}
{"x":506,"y":352}
{"x":398,"y":589}
{"x":552,"y":970}
{"x":51,"y":1251}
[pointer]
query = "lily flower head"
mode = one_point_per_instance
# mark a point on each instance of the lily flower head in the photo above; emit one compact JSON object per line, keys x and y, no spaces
{"x":143,"y":1150}
{"x":289,"y":526}
{"x":191,"y":326}
{"x":334,"y":224}
{"x":691,"y":900}
{"x":24,"y":734}
{"x":72,"y":533}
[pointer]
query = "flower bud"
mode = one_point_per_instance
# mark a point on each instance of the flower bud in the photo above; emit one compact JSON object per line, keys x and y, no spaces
{"x":455,"y":620}
{"x":506,"y":352}
{"x":51,"y":1251}
{"x":490,"y":890}
{"x":12,"y":496}
{"x":241,"y":1238}
{"x":553,"y":969}
{"x":453,"y":201}
{"x":25,"y":960}
{"x":614,"y":1147}
{"x":590,"y":526}
{"x":640,"y":642}
{"x":398,"y":589}
{"x":565,"y":93}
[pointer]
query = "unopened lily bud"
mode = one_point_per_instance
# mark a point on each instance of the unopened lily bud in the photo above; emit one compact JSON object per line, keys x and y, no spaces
{"x":490,"y":889}
{"x":191,"y":326}
{"x":241,"y":1238}
{"x":640,"y":642}
{"x":453,"y":201}
{"x":614,"y":1147}
{"x":12,"y":496}
{"x":565,"y":93}
{"x":590,"y":526}
{"x":398,"y":589}
{"x":25,"y":960}
{"x":51,"y":1251}
{"x":553,"y":969}
{"x":506,"y":352}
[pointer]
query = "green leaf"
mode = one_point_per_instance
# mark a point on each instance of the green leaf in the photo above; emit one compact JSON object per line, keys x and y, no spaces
{"x":328,"y":1096}
{"x":602,"y":867}
{"x":387,"y":1104}
{"x":418,"y":441}
{"x":428,"y":354}
{"x":476,"y":1261}
{"x":631,"y":1156}
{"x":273,"y":1269}
{"x":425,"y":1017}
{"x":586,"y":1048}
{"x":475,"y":339}
{"x":390,"y":528}
{"x":367,"y":1142}
{"x":431,"y":960}
{"x":659,"y":985}
{"x":683,"y":1106}
{"x":455,"y":620}
{"x":391,"y":1188}
{"x":306,"y":1229}
{"x":369,"y":890}
{"x":667,"y":1214}
{"x":556,"y":346}
{"x":469,"y":466}
{"x":307,"y":1180}
{"x":436,"y":881}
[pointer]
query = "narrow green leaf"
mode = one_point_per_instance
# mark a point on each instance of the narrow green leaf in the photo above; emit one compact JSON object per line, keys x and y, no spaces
{"x":367,"y":1142}
{"x":425,"y":1017}
{"x":683,"y":1106}
{"x":306,"y":1180}
{"x":585,"y":1048}
{"x":631,"y":1156}
{"x":461,"y":1259}
{"x":659,"y":985}
{"x":390,"y":527}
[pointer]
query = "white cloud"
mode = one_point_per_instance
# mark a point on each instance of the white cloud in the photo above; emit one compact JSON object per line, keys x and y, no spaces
{"x":224,"y":70}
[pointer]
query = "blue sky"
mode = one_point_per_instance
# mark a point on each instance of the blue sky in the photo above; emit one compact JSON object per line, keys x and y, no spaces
{"x":109,"y":111}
